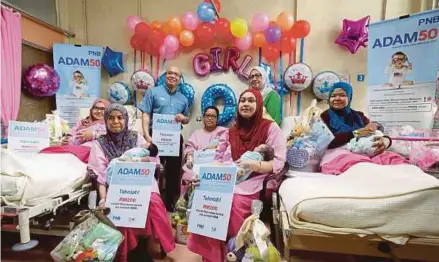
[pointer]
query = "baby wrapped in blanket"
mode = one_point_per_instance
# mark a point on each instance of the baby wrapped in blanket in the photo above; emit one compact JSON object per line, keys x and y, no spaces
{"x":137,"y":154}
{"x":260,"y":153}
{"x":364,"y":145}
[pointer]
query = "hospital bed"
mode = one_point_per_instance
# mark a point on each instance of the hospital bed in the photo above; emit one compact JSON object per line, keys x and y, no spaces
{"x":293,"y":238}
{"x":36,"y":197}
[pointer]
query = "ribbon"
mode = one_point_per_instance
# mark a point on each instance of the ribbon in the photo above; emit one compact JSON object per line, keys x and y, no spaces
{"x":299,"y":94}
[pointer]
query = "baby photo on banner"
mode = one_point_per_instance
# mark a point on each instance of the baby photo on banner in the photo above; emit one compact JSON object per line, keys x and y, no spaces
{"x":79,"y":68}
{"x":402,"y":66}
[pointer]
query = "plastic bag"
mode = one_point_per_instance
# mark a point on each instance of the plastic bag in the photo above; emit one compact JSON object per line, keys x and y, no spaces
{"x":92,"y":240}
{"x":252,"y":243}
{"x":424,"y":155}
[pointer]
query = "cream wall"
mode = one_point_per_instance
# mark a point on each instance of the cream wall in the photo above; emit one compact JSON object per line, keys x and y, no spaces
{"x":103,"y":22}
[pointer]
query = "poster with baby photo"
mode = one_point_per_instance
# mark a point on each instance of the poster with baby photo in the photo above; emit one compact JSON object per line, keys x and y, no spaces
{"x":402,"y":65}
{"x":79,"y":68}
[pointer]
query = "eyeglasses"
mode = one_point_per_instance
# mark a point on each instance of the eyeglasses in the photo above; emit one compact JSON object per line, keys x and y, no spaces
{"x":98,"y":108}
{"x":255,"y":76}
{"x":210,"y":116}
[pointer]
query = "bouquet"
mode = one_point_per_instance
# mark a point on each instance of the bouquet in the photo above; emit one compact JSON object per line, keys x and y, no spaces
{"x":57,"y":127}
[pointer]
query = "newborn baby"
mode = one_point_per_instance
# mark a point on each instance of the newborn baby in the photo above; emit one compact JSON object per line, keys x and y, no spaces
{"x":260,"y":153}
{"x":137,"y":154}
{"x":364,"y":145}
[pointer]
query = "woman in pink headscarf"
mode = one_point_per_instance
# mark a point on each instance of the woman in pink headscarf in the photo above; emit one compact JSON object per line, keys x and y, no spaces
{"x":91,"y":127}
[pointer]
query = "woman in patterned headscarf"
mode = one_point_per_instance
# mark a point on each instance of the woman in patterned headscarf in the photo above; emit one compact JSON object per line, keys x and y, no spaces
{"x":112,"y":145}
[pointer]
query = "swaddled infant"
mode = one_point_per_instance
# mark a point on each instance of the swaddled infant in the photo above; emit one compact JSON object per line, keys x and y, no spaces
{"x":365,"y":145}
{"x":260,"y":153}
{"x":137,"y":154}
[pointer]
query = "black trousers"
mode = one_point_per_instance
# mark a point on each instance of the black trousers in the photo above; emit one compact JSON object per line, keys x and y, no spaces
{"x":170,"y":180}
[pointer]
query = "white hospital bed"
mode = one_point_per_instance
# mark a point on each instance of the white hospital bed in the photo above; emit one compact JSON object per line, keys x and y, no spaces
{"x":307,"y":219}
{"x":39,"y":186}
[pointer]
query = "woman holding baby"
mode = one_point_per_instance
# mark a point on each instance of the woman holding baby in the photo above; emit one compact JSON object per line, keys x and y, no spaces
{"x":250,"y":131}
{"x":346,"y":124}
{"x":117,"y":140}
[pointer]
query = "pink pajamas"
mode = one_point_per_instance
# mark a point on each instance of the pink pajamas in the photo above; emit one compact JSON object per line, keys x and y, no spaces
{"x":336,"y":161}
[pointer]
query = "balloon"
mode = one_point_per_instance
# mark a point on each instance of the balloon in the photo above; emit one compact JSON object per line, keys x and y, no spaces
{"x":135,"y":42}
{"x":300,"y":29}
{"x":222,"y":30}
{"x":201,"y":64}
{"x":215,"y":92}
{"x":244,"y":43}
{"x":259,"y":39}
{"x":166,"y":28}
{"x":146,"y":46}
{"x":175,"y":25}
{"x":232,"y":54}
{"x":156,"y":38}
{"x":270,"y":53}
{"x":165,"y":52}
{"x":190,"y":21}
{"x":205,"y":12}
{"x":239,"y":27}
{"x":120,"y":93}
{"x":142,"y":30}
{"x":260,"y":22}
{"x":171,"y":43}
{"x":240,"y":72}
{"x":354,"y":34}
{"x":205,"y":33}
{"x":285,"y":21}
{"x":216,"y":3}
{"x":142,"y":80}
{"x":298,"y":77}
{"x":273,"y":34}
{"x":132,"y":21}
{"x":323,"y":83}
{"x":41,"y":80}
{"x":186,"y":38}
{"x":216,"y":51}
{"x":112,"y":62}
{"x":156,"y":24}
{"x":287,"y":44}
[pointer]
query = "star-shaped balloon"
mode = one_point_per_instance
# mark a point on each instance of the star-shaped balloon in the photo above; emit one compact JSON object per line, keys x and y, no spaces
{"x":112,"y":62}
{"x":354,"y":34}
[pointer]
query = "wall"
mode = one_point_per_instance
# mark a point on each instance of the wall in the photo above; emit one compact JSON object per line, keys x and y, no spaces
{"x":103,"y":22}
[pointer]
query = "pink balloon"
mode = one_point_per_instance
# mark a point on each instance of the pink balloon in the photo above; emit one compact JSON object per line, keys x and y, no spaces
{"x":132,"y":21}
{"x":190,"y":21}
{"x":201,"y":64}
{"x":260,"y":22}
{"x":241,"y":71}
{"x":166,"y":53}
{"x":172,"y":43}
{"x":244,"y":43}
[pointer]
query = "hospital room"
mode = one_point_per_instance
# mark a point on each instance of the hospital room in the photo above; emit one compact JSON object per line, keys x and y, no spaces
{"x":219,"y":130}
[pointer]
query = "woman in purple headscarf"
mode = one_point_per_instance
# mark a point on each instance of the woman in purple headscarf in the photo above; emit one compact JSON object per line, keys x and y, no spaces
{"x":112,"y":145}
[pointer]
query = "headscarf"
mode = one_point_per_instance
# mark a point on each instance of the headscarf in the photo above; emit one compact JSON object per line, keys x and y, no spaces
{"x":346,"y":119}
{"x":115,"y":144}
{"x":89,"y":121}
{"x":246,"y":134}
{"x":266,"y":87}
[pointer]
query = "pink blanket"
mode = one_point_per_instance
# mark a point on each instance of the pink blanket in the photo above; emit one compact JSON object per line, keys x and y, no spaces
{"x":81,"y":152}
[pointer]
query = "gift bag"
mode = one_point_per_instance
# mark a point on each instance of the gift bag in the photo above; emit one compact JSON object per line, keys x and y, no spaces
{"x":252,"y":241}
{"x":95,"y":239}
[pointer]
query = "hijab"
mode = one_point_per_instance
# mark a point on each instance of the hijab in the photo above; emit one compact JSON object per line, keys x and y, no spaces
{"x":89,"y":121}
{"x":265,"y":82}
{"x":246,"y":134}
{"x":346,"y":119}
{"x":115,"y":144}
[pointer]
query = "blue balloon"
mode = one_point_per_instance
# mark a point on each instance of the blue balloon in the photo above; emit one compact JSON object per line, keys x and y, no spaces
{"x":281,"y":89}
{"x":185,"y":88}
{"x":223,"y":91}
{"x":112,"y":62}
{"x":206,"y":12}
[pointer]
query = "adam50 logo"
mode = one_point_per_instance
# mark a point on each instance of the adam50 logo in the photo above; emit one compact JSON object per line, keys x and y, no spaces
{"x":217,"y":176}
{"x":133,"y":171}
{"x":410,"y":38}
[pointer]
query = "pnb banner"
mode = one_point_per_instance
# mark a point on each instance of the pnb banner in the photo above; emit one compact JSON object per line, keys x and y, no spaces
{"x":402,"y":65}
{"x":79,"y":68}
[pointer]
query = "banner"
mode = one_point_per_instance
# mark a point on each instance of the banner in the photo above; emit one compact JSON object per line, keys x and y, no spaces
{"x":212,"y":201}
{"x":30,"y":138}
{"x":79,"y":68}
{"x":166,"y":134}
{"x":129,"y":193}
{"x":402,"y":65}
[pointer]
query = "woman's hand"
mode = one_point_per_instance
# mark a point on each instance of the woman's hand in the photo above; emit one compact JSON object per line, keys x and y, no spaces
{"x":379,"y":145}
{"x":85,"y":135}
{"x":101,"y":204}
{"x":190,"y":161}
{"x":367,"y":130}
{"x":251,"y":165}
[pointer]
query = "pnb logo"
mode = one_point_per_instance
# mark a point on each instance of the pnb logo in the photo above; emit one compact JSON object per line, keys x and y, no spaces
{"x":30,"y":129}
{"x":217,"y":176}
{"x":83,"y":62}
{"x":133,"y":171}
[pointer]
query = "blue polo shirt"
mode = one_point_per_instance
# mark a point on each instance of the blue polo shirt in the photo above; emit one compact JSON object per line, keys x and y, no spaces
{"x":158,"y":100}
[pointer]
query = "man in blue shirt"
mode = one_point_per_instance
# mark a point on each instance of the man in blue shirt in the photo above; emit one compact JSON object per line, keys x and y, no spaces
{"x":165,"y":99}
